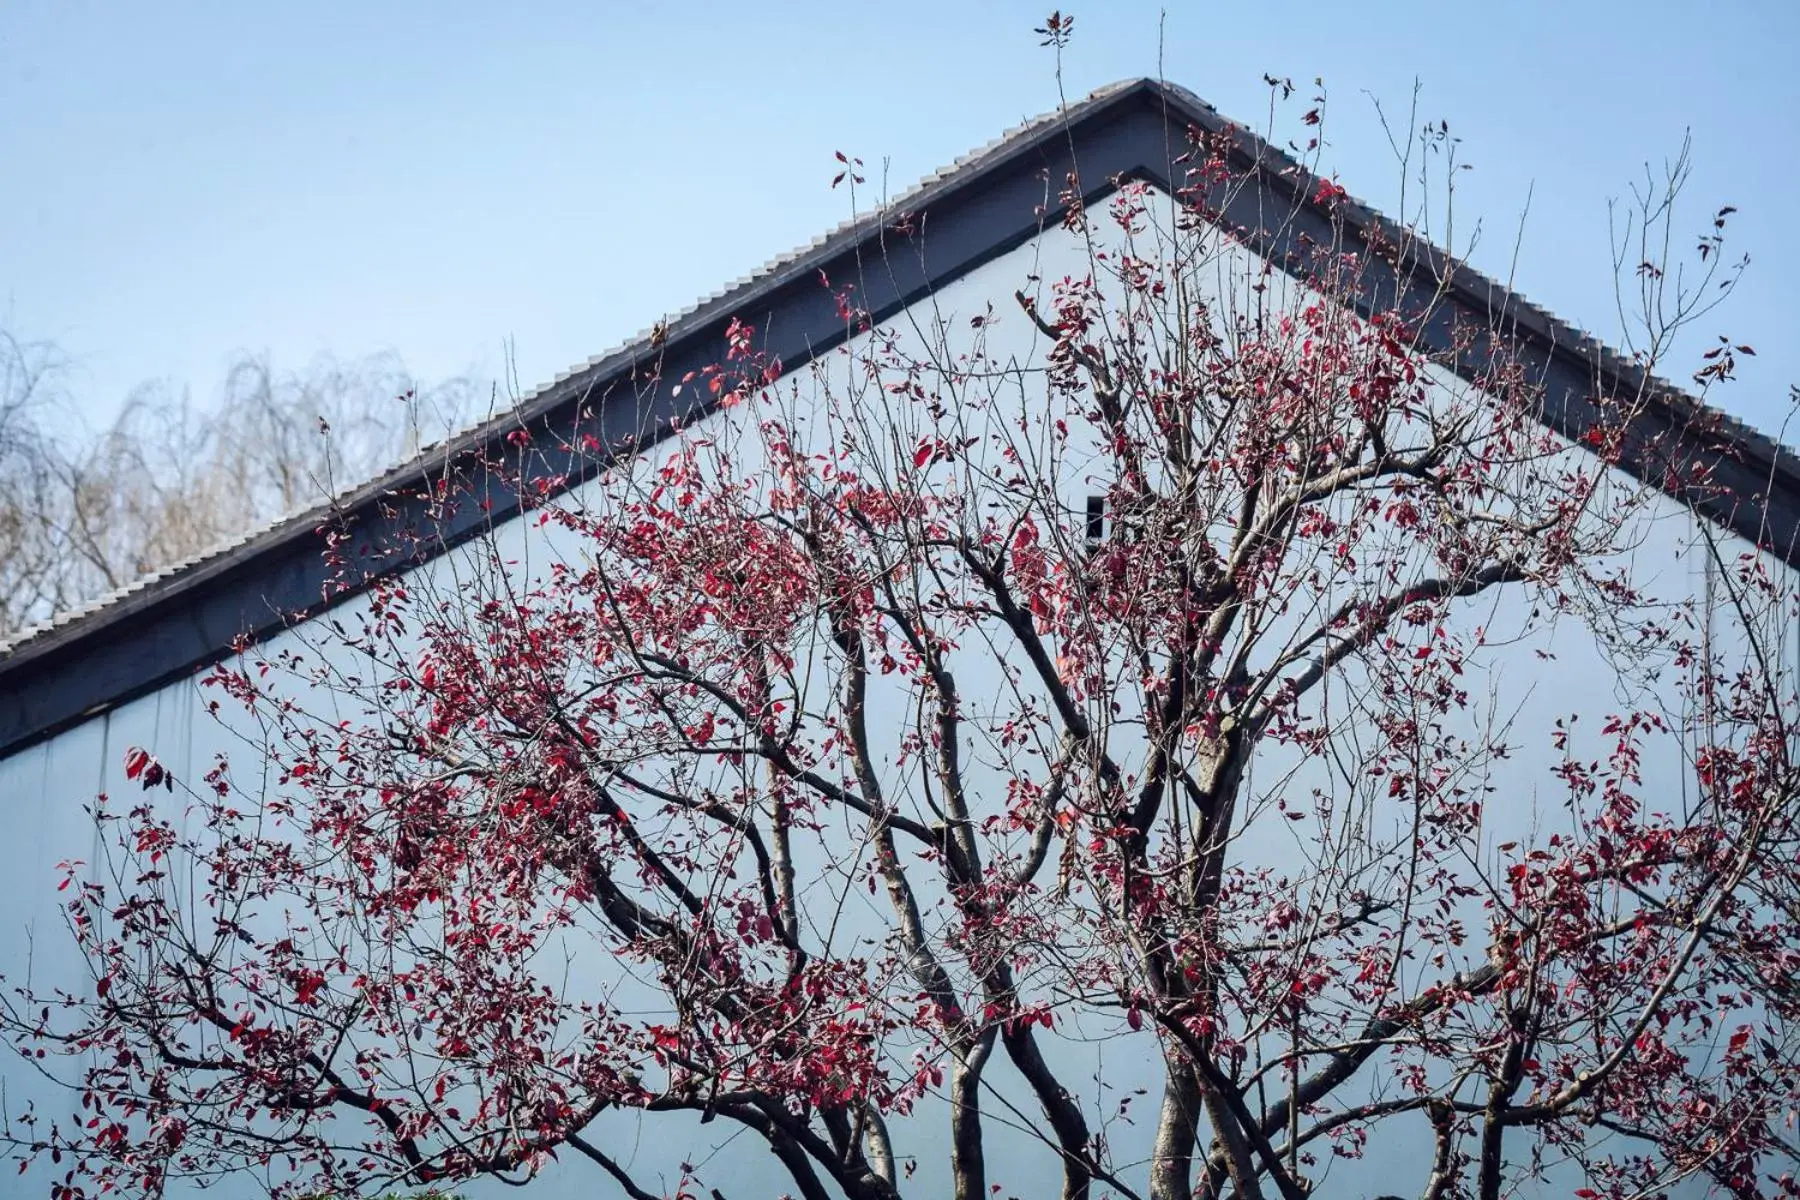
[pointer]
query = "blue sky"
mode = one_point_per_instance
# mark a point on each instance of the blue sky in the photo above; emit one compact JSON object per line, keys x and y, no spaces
{"x":184,"y":181}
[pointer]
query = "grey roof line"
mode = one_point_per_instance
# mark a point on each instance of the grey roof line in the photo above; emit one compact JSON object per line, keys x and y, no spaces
{"x":309,"y":516}
{"x":1533,"y":319}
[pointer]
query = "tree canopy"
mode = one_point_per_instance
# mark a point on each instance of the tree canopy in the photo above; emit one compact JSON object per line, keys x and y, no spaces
{"x":928,"y":744}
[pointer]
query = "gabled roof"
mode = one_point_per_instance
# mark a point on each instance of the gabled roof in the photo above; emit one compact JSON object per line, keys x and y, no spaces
{"x":188,"y":616}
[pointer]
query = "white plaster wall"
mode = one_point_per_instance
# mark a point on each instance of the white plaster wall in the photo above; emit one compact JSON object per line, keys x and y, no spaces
{"x":45,"y":790}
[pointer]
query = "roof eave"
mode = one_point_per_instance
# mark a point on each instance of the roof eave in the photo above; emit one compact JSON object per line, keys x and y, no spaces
{"x":988,"y":202}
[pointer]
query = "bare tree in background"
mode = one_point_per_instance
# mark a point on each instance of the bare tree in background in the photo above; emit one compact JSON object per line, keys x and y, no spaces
{"x":30,"y":373}
{"x":81,"y":513}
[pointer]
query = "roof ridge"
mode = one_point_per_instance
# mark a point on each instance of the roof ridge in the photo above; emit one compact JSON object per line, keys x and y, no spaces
{"x":1502,"y":299}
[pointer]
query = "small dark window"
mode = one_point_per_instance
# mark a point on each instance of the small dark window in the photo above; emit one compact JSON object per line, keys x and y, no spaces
{"x":1096,"y":519}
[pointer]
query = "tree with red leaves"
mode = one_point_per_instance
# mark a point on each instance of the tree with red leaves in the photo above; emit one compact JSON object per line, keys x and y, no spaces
{"x":1134,"y":688}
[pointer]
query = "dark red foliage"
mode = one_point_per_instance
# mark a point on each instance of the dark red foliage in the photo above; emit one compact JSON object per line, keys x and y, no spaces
{"x":806,"y":763}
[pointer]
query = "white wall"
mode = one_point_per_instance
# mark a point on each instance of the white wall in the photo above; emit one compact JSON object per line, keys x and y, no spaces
{"x":47,"y":787}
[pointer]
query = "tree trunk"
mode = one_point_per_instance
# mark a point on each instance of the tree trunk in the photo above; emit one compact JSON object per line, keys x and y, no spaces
{"x":1177,"y":1124}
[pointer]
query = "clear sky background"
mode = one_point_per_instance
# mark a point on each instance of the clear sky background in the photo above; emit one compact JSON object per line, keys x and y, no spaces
{"x":180,"y":182}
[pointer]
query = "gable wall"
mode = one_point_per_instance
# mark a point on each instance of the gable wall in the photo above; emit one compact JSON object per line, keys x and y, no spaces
{"x":47,"y":785}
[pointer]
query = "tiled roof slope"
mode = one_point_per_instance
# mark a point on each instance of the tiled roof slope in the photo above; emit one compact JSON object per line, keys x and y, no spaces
{"x":1521,"y":316}
{"x":36,"y":654}
{"x":304,"y":521}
